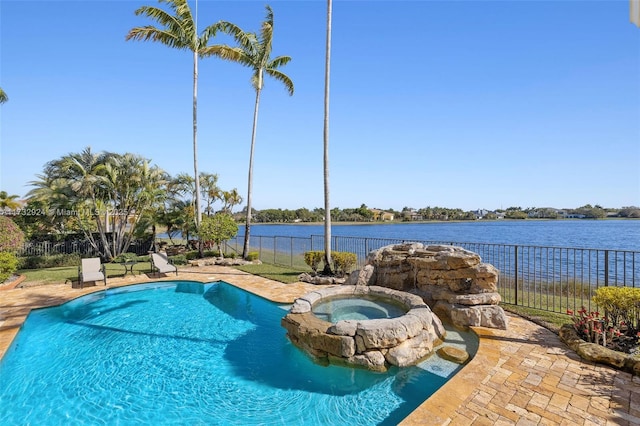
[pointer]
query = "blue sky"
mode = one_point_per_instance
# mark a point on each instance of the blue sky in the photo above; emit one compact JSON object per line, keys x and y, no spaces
{"x":459,"y":104}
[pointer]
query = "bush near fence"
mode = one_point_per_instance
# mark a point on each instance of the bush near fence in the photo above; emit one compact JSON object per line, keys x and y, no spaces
{"x":343,"y":262}
{"x":50,"y":261}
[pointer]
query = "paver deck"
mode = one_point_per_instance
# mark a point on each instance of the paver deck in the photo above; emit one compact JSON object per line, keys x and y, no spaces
{"x":521,"y":376}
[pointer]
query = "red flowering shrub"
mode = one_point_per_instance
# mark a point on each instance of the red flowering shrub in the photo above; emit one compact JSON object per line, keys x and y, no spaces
{"x":11,"y":237}
{"x":593,"y":328}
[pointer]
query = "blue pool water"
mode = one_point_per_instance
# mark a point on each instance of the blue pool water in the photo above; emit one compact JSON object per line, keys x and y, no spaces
{"x":187,"y":353}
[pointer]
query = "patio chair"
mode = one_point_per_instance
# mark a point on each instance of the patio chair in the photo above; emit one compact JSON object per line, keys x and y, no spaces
{"x":162,"y":264}
{"x":91,"y":270}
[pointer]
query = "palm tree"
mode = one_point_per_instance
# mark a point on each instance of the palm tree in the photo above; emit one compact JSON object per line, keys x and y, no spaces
{"x":180,"y":31}
{"x":230,"y":199}
{"x":327,"y":208}
{"x":3,"y":96}
{"x":254,"y":51}
{"x":8,"y":201}
{"x":210,"y":190}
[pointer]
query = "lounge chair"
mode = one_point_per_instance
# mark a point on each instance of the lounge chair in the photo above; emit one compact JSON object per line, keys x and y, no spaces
{"x":161,"y":263}
{"x":91,"y":270}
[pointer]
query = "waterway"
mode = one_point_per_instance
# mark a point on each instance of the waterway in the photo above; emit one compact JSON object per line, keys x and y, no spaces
{"x":599,"y":234}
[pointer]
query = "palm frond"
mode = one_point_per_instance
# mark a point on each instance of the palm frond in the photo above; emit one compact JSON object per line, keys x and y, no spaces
{"x":3,"y":96}
{"x":266,"y":34}
{"x":160,"y":16}
{"x":283,"y":78}
{"x":225,"y":52}
{"x":255,"y":80}
{"x":174,"y":31}
{"x":278,"y":62}
{"x":246,"y":40}
{"x":154,"y":34}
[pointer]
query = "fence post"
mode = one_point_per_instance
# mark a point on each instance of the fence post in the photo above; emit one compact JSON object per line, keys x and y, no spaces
{"x":366,"y":248}
{"x":515,"y":280}
{"x":606,"y":268}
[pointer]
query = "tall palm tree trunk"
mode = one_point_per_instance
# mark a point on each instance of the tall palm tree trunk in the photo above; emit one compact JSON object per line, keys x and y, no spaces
{"x":195,"y":144}
{"x":195,"y":139}
{"x":327,"y":205}
{"x":247,"y":226}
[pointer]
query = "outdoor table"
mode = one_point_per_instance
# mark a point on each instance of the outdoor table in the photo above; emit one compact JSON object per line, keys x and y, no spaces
{"x":128,"y":267}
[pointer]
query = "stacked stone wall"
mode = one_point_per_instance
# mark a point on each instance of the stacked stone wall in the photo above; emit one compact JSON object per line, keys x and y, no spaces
{"x":454,"y":282}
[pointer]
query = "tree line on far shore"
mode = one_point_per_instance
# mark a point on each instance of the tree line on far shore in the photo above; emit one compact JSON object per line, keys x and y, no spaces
{"x":408,"y":214}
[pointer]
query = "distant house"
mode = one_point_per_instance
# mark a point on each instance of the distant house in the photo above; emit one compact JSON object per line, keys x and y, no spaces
{"x":575,"y":216}
{"x":480,"y":213}
{"x":382,"y":215}
{"x":411,"y":215}
{"x":387,"y":217}
{"x":566,"y":215}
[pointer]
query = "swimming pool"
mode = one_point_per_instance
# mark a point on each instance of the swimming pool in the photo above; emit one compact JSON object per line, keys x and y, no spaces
{"x":189,"y":353}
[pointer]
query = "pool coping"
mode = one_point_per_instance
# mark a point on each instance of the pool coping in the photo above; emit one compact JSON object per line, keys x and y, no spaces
{"x":522,"y":375}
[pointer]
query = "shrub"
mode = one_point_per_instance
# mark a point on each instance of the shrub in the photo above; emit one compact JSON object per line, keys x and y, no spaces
{"x":619,"y":327}
{"x":178,"y":259}
{"x":313,"y":259}
{"x":11,"y":237}
{"x":125,"y":257}
{"x":343,"y":262}
{"x":8,"y":265}
{"x":218,"y":228}
{"x":253,"y":255}
{"x":193,"y":254}
{"x":621,"y":305}
{"x":50,"y":261}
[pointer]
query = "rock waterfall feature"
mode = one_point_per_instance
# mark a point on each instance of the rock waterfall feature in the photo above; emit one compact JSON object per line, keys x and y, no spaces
{"x":431,"y":282}
{"x":452,"y":281}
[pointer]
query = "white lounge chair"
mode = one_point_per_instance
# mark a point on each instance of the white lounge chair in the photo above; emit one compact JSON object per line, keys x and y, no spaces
{"x":161,"y":263}
{"x":91,"y":270}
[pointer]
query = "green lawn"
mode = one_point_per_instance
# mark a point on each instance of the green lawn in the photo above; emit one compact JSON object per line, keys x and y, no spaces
{"x":282,"y":274}
{"x":550,"y":320}
{"x":62,"y":274}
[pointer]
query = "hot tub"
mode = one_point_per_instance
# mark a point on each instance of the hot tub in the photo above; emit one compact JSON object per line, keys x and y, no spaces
{"x":365,"y":307}
{"x":366,"y":326}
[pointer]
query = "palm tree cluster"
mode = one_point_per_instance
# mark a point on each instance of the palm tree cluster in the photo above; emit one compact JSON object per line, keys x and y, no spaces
{"x":111,"y":198}
{"x":104,"y":193}
{"x":177,"y":28}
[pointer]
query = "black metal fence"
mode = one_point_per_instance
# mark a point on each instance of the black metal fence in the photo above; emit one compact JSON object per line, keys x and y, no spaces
{"x":82,"y":247}
{"x":539,"y":277}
